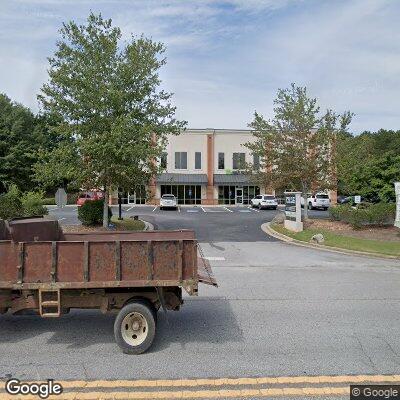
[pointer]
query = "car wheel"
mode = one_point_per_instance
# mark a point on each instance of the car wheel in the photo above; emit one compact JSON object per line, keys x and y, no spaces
{"x":274,"y":208}
{"x":161,"y":208}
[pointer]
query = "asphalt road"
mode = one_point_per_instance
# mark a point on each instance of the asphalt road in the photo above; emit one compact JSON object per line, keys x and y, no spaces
{"x":280,"y":310}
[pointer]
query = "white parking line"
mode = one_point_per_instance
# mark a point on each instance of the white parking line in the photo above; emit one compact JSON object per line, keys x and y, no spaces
{"x":61,"y":219}
{"x":179,"y":209}
{"x":227,"y":209}
{"x":192,"y":211}
{"x":215,"y":258}
{"x":253,"y":209}
{"x":203,"y":209}
{"x":130,"y":208}
{"x":154,"y":209}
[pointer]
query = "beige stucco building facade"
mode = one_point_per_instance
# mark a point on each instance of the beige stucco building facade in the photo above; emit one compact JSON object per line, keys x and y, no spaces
{"x":203,"y":166}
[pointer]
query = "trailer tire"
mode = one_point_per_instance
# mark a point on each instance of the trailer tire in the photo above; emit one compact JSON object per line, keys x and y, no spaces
{"x":135,"y":327}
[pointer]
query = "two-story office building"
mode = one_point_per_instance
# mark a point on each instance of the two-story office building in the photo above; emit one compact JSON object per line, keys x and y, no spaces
{"x":202,"y":166}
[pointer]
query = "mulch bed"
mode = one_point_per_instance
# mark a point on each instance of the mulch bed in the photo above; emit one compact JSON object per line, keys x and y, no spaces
{"x":389,"y":233}
{"x":82,"y":229}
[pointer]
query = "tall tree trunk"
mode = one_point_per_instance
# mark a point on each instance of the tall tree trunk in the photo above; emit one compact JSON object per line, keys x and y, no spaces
{"x":105,"y":208}
{"x":305,"y":215}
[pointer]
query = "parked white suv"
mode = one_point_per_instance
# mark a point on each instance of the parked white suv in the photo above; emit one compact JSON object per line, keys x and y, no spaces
{"x":168,"y":201}
{"x":264,"y":201}
{"x":318,"y":200}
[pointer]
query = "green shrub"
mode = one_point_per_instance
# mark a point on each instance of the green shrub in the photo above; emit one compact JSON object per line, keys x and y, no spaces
{"x":339,"y":212}
{"x":10,"y":204}
{"x":366,"y":214}
{"x":91,"y":213}
{"x":49,"y":201}
{"x":358,"y":217}
{"x":32,"y":204}
{"x":382,"y":213}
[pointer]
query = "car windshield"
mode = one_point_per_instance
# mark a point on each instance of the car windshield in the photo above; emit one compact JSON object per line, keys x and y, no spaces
{"x":322,"y":196}
{"x":168,"y":196}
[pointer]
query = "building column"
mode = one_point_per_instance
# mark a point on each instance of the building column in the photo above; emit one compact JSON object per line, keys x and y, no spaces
{"x":210,"y":200}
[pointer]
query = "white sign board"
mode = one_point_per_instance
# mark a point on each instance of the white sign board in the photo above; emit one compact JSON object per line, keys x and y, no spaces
{"x":293,"y":211}
{"x":357,"y":199}
{"x":397,"y":191}
{"x":61,"y":198}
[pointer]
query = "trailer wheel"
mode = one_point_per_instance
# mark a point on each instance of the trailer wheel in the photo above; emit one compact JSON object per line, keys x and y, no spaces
{"x":135,"y":327}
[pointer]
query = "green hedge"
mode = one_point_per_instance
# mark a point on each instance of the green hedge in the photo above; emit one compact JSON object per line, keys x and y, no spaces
{"x":32,"y":204}
{"x":379,"y":214}
{"x":10,"y":204}
{"x":91,"y":213}
{"x":15,"y":204}
{"x":49,"y":201}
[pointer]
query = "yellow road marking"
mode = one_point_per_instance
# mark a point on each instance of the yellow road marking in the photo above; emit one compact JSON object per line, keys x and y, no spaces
{"x":227,"y":381}
{"x":198,"y":394}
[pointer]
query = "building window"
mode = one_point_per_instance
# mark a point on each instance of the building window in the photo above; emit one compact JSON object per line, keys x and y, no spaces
{"x":163,"y":160}
{"x":221,"y":160}
{"x":185,"y":194}
{"x":197,"y":160}
{"x":256,"y":162}
{"x":238,"y":161}
{"x":227,"y":194}
{"x":180,"y":160}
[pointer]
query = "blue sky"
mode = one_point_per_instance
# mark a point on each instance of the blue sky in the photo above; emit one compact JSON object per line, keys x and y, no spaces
{"x":227,"y":59}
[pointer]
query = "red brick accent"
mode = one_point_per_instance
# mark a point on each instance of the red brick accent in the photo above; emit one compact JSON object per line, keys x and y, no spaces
{"x":210,"y":172}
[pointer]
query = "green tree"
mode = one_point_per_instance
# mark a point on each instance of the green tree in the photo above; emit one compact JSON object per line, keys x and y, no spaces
{"x":297,"y":147}
{"x":113,"y":114}
{"x":368,"y":164}
{"x":18,"y":145}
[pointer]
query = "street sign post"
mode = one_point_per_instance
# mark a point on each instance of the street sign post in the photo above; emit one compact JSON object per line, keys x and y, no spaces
{"x":293,"y":211}
{"x":397,"y":190}
{"x":61,"y":198}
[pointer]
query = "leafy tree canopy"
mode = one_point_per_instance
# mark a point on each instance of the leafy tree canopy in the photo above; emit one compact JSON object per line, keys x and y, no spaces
{"x":368,"y":164}
{"x":113,"y":114}
{"x":297,"y":147}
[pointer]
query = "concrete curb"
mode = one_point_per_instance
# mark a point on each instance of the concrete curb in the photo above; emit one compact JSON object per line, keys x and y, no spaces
{"x":266,"y":227}
{"x":148,"y":226}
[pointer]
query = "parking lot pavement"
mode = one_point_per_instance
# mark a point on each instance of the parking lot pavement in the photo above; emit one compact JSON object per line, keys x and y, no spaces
{"x":215,"y":209}
{"x":209,"y":222}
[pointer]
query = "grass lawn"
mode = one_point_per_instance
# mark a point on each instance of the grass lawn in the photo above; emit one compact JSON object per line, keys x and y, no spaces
{"x":127,"y":224}
{"x":344,"y":242}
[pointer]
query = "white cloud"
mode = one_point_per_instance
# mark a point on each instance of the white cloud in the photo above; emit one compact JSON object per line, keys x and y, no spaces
{"x":228,"y":57}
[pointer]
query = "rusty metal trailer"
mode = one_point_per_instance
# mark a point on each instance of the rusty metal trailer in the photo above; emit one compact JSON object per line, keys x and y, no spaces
{"x":137,"y":273}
